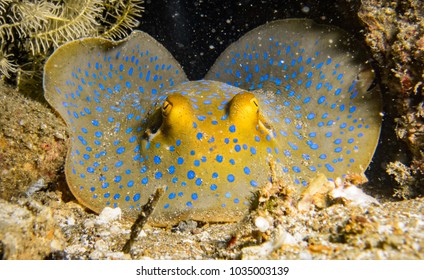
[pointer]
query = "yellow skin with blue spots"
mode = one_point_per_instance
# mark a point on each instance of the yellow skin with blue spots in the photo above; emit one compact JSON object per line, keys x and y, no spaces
{"x":291,"y":93}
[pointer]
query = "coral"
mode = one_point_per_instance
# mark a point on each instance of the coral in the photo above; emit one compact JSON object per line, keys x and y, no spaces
{"x":394,"y":31}
{"x":402,"y":175}
{"x":30,"y":29}
{"x":7,"y":67}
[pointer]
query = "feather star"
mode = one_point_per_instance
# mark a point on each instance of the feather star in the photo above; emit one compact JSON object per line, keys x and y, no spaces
{"x":290,"y":92}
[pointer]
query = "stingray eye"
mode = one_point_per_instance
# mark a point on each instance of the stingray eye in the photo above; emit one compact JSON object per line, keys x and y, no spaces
{"x":254,"y":102}
{"x":166,"y":108}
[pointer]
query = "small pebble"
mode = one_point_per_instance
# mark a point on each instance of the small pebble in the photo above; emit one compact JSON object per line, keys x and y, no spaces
{"x":262,"y":224}
{"x":108,"y":215}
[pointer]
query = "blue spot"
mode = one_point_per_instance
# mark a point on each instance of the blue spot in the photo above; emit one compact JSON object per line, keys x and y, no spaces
{"x":293,"y":146}
{"x":82,"y":140}
{"x":237,"y":148}
{"x":145,"y":180}
{"x":329,"y":167}
{"x":199,"y":136}
{"x":130,"y":183}
{"x":171,"y":195}
{"x":308,"y":84}
{"x":198,"y":181}
{"x":191,"y":174}
{"x":213,"y":187}
{"x":296,"y":169}
{"x":158,"y":175}
{"x":232,"y":128}
{"x":214,"y":175}
{"x":132,"y":139}
{"x":90,"y":169}
{"x":120,"y":150}
{"x":156,"y":160}
{"x":136,"y":197}
{"x":117,"y":179}
{"x":194,"y":196}
{"x":116,"y":196}
{"x":246,"y":170}
{"x":230,"y":178}
{"x":306,"y":156}
{"x":253,"y":183}
{"x":180,"y":160}
{"x":253,"y":150}
{"x":219,"y":158}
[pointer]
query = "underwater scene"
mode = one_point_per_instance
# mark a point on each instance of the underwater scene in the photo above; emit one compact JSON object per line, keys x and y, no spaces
{"x":177,"y":129}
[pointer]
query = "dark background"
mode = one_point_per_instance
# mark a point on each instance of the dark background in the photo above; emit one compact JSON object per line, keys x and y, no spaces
{"x":197,"y":31}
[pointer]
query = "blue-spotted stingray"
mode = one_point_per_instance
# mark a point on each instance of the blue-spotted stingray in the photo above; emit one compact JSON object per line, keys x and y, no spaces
{"x":290,"y":94}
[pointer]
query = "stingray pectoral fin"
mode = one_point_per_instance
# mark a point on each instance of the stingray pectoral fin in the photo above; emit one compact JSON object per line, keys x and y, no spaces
{"x":104,"y":90}
{"x":313,"y":83}
{"x":90,"y":67}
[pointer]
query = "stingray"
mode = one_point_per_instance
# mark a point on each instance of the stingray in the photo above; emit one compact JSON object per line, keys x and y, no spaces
{"x":290,"y":94}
